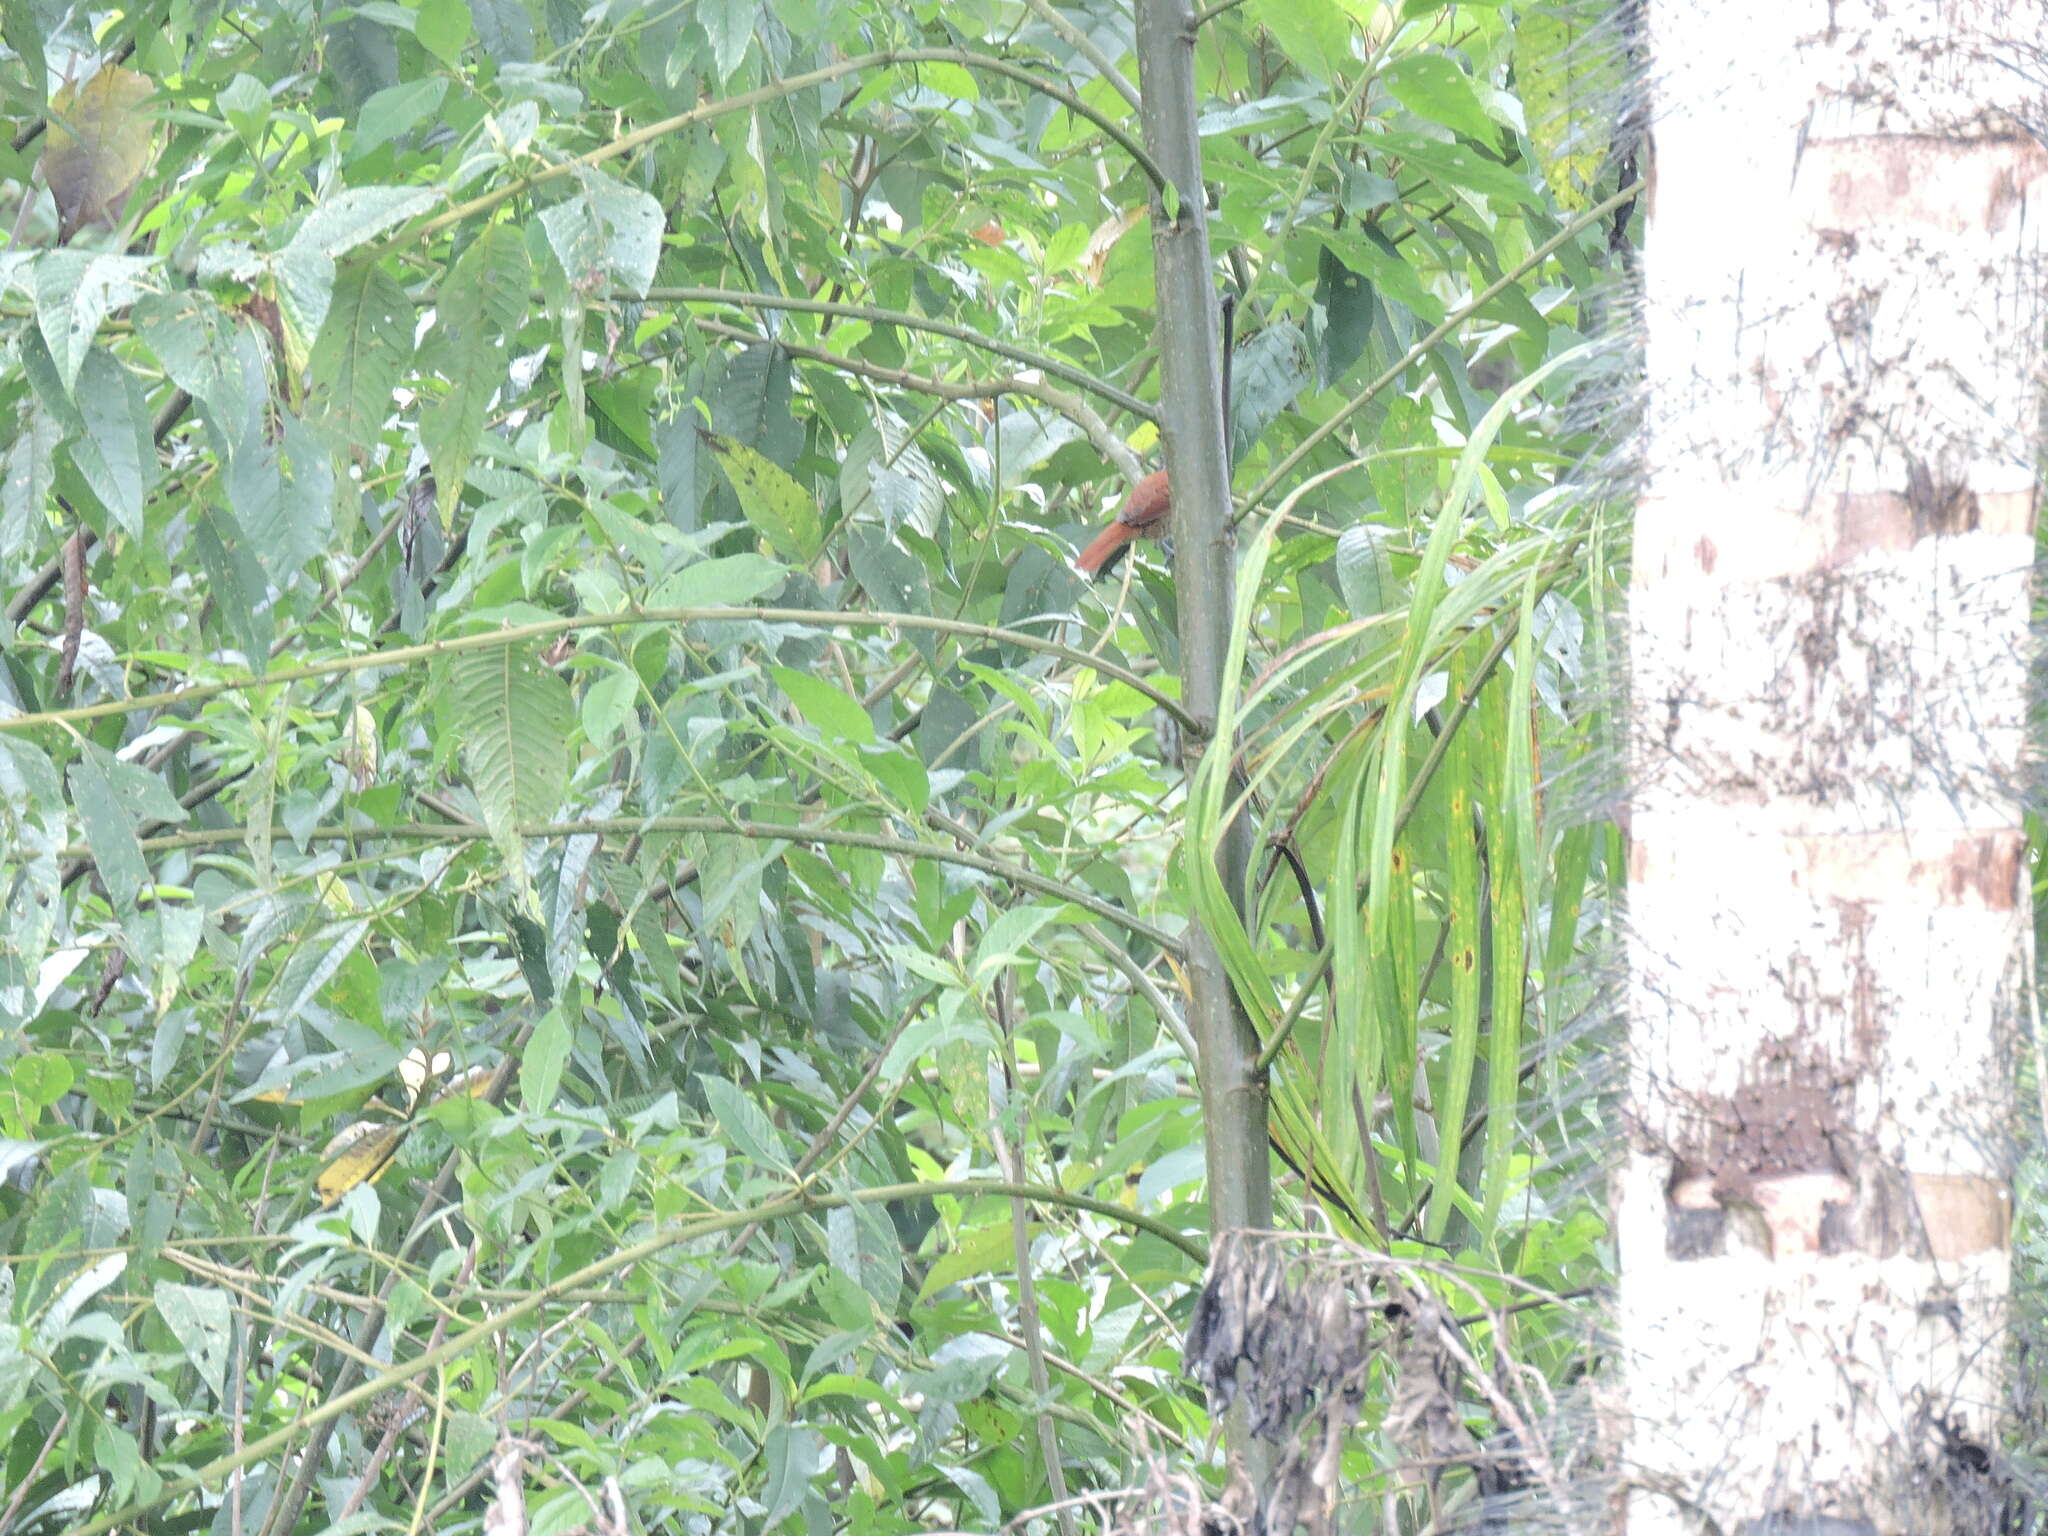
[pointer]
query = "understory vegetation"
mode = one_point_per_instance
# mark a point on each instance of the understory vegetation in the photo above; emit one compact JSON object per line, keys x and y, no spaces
{"x":595,"y":918}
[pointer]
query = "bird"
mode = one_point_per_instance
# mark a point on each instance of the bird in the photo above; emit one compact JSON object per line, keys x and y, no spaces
{"x":1144,"y":516}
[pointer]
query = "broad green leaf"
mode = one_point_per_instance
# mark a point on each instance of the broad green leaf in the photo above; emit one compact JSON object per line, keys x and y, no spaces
{"x":199,"y":343}
{"x":984,"y":1250}
{"x":894,"y":578}
{"x":730,"y":26}
{"x":733,"y":581}
{"x":75,"y":291}
{"x":793,"y":1456}
{"x":305,"y":267}
{"x":1268,"y":372}
{"x":1430,"y":85}
{"x":283,"y":495}
{"x":1349,"y":313}
{"x":314,"y":962}
{"x":1570,"y":68}
{"x":513,"y":717}
{"x":885,"y":476}
{"x":832,"y":712}
{"x":28,"y":469}
{"x":88,"y":1283}
{"x":742,"y":1119}
{"x":1006,"y":939}
{"x":443,"y":29}
{"x":860,"y":1242}
{"x":1461,"y":166}
{"x":116,"y":454}
{"x":116,"y":851}
{"x":540,"y":1065}
{"x":39,"y":1079}
{"x":478,"y":308}
{"x":1313,"y":34}
{"x":901,"y":773}
{"x":202,"y":1321}
{"x":362,"y":351}
{"x":395,"y":111}
{"x":1365,"y":570}
{"x":774,"y":503}
{"x":236,"y":581}
{"x":609,"y":229}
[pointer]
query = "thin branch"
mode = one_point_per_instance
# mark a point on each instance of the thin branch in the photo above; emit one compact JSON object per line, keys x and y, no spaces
{"x":1084,"y":45}
{"x":777,"y":91}
{"x":680,"y":1234}
{"x":1069,"y":405}
{"x":178,"y":698}
{"x":1045,"y":362}
{"x":629,"y":826}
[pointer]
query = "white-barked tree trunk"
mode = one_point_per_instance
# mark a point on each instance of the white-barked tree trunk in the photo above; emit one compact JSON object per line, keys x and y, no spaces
{"x":1828,"y":915}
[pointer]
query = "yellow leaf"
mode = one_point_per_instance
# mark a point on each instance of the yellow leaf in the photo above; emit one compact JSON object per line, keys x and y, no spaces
{"x":99,"y":141}
{"x":361,"y":1153}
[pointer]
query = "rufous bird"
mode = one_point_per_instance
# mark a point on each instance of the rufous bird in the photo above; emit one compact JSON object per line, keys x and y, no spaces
{"x":1144,"y":516}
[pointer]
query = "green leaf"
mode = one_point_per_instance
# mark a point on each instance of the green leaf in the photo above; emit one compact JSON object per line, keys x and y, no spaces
{"x":395,"y":111}
{"x":1268,"y":372}
{"x":116,"y":455}
{"x":305,"y":267}
{"x":540,"y":1066}
{"x":201,"y":345}
{"x":530,"y":945}
{"x":513,"y":717}
{"x":1315,"y":35}
{"x":1461,"y":166}
{"x":314,"y":962}
{"x":1349,"y":313}
{"x":504,"y":30}
{"x":902,"y":774}
{"x":1365,"y":570}
{"x":28,"y":469}
{"x":75,"y":291}
{"x":894,"y":578}
{"x":1007,"y":938}
{"x":39,"y":1079}
{"x":886,"y":477}
{"x":773,"y":502}
{"x":362,"y":351}
{"x":116,"y":851}
{"x":609,"y":230}
{"x":793,"y":1456}
{"x":741,"y":1119}
{"x":200,"y":1318}
{"x":1431,"y":86}
{"x":832,"y":712}
{"x":1570,"y":70}
{"x":478,"y":309}
{"x":730,"y":26}
{"x":443,"y":29}
{"x":730,"y":582}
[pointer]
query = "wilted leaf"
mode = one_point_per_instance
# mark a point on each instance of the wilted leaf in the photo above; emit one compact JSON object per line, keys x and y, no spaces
{"x":99,"y":142}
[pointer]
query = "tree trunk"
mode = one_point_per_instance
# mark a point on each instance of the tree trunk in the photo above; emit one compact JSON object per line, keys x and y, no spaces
{"x":1191,"y":422}
{"x":1828,"y":917}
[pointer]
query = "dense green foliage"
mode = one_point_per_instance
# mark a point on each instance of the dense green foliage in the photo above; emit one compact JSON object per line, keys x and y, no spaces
{"x":537,"y":541}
